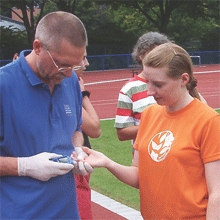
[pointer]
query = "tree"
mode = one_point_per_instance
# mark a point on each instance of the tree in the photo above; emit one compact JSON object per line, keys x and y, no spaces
{"x":113,"y":26}
{"x":26,"y":6}
{"x":12,"y":41}
{"x":157,"y":12}
{"x":183,"y":21}
{"x":196,"y":25}
{"x":67,"y":5}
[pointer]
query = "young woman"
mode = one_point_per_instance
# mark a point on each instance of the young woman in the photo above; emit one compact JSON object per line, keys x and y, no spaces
{"x":177,"y":150}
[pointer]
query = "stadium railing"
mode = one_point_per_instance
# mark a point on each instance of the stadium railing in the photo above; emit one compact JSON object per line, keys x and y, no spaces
{"x":124,"y":61}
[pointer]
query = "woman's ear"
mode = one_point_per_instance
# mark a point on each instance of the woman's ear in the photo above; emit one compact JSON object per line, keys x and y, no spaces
{"x":184,"y":78}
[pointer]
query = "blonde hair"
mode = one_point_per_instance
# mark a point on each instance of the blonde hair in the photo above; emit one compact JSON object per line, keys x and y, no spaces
{"x":60,"y":26}
{"x":177,"y":60}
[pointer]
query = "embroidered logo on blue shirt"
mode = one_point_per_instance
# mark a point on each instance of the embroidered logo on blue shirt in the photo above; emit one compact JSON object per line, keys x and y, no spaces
{"x":68,"y":110}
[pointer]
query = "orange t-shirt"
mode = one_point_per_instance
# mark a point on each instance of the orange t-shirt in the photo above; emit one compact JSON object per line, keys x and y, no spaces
{"x":173,"y":148}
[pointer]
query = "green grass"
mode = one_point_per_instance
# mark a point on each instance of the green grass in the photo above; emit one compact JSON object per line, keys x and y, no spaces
{"x":102,"y":180}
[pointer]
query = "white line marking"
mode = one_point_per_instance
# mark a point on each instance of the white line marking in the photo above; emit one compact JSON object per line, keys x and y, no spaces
{"x":116,"y":207}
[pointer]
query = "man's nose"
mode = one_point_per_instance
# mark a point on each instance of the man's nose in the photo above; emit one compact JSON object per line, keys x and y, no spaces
{"x":86,"y":62}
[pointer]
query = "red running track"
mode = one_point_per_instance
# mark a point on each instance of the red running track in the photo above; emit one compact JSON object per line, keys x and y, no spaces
{"x":101,"y":213}
{"x":105,"y":86}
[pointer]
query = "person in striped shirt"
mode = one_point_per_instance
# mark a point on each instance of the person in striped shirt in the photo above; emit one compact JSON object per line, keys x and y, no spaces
{"x":133,"y":98}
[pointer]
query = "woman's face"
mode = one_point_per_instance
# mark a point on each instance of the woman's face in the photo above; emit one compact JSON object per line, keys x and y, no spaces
{"x":165,"y":90}
{"x":80,"y":72}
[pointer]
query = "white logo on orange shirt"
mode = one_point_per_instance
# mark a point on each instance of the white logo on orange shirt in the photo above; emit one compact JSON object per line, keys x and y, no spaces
{"x":160,"y":145}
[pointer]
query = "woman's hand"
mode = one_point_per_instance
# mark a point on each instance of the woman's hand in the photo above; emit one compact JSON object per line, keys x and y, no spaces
{"x":95,"y":158}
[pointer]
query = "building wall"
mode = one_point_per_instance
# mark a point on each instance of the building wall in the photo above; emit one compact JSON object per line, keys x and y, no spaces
{"x":18,"y":11}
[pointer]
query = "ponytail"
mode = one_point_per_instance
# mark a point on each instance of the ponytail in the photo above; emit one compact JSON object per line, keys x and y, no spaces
{"x":191,"y":86}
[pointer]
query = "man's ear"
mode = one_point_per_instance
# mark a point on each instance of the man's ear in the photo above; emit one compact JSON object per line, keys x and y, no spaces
{"x":37,"y":46}
{"x":141,"y":57}
{"x":184,"y":78}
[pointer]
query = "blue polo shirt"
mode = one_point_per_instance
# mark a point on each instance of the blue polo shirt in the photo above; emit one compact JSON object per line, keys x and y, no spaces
{"x":35,"y":121}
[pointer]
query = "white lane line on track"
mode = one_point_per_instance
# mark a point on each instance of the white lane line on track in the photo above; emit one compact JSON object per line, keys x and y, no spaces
{"x":119,"y":80}
{"x":116,"y":207}
{"x":204,"y":72}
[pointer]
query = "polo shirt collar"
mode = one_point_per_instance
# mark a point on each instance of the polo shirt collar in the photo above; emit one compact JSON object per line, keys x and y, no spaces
{"x":31,"y":76}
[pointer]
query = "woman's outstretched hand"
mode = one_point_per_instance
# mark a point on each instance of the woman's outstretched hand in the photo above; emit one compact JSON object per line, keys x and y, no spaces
{"x":95,"y":158}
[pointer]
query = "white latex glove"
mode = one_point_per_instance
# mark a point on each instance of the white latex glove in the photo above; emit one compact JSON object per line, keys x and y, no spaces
{"x":82,"y":168}
{"x":40,"y":167}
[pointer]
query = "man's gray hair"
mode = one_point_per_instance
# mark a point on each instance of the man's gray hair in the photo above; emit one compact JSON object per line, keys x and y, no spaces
{"x":146,"y":43}
{"x":60,"y":26}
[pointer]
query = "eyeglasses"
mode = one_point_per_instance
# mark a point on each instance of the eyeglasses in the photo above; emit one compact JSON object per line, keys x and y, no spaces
{"x":64,"y":69}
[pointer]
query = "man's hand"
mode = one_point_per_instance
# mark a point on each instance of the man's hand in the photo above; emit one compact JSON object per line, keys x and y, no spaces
{"x":41,"y":167}
{"x":82,"y":168}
